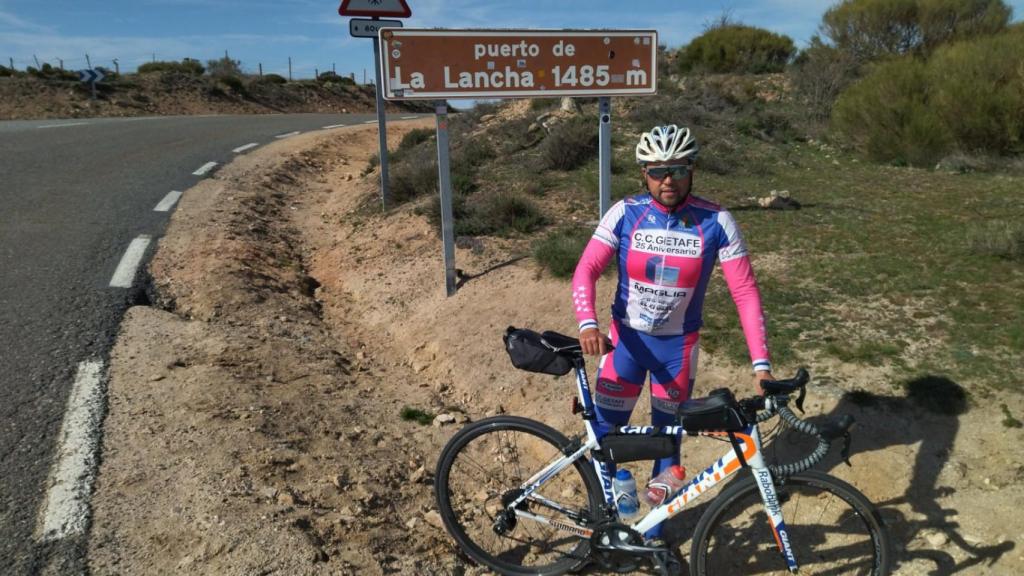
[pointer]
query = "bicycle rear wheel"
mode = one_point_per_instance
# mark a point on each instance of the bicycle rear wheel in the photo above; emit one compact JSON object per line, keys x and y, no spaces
{"x":832,"y":528}
{"x":482,"y":468}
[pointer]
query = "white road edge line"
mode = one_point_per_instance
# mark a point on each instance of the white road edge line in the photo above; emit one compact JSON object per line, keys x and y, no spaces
{"x":288,"y":135}
{"x":204,"y":169}
{"x":62,"y":125}
{"x":370,"y":122}
{"x":66,"y":512}
{"x":168,"y":202}
{"x":333,"y":126}
{"x":124,"y":275}
{"x":246,"y":147}
{"x":409,"y":117}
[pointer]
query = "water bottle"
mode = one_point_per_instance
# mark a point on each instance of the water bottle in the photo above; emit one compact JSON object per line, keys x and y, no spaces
{"x":664,"y":485}
{"x":624,"y":489}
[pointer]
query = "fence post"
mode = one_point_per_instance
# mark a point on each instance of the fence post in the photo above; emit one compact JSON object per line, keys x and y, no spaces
{"x":289,"y":68}
{"x":37,"y":61}
{"x":61,"y":60}
{"x":261,"y":69}
{"x":117,"y":67}
{"x":12,"y":64}
{"x":88,"y":61}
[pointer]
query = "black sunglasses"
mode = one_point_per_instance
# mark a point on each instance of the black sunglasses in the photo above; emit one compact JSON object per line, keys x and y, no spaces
{"x":677,"y":172}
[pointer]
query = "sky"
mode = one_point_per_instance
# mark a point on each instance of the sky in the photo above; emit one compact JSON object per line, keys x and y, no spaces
{"x":316,"y":38}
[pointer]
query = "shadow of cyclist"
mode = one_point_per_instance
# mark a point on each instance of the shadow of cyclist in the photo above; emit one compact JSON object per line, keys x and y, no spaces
{"x":929,"y":416}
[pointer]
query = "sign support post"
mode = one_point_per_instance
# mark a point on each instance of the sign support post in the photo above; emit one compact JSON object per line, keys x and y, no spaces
{"x":382,"y":129}
{"x":445,"y":186}
{"x":604,"y":112}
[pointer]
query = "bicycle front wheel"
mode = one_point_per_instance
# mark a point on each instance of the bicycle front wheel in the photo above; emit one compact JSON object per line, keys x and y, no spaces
{"x":482,"y":469}
{"x":832,"y":528}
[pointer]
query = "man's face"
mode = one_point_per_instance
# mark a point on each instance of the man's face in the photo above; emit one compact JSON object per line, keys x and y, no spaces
{"x":669,"y":182}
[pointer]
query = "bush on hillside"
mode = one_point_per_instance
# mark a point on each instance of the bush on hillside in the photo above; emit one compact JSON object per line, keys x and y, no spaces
{"x":186,"y":66}
{"x":738,"y":49}
{"x":569,"y":145}
{"x":872,"y":29}
{"x":820,"y":73}
{"x":503,"y":214}
{"x":224,"y":67}
{"x":272,"y":79}
{"x":887,"y":115}
{"x":50,"y":72}
{"x":5,"y":72}
{"x":977,"y":89}
{"x":969,"y":96}
{"x":559,"y":251}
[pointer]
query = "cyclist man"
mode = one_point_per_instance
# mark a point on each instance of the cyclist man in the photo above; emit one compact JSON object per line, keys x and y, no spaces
{"x":666,"y":242}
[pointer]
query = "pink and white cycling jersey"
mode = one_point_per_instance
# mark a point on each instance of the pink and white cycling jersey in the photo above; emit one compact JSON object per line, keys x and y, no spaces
{"x":665,"y":259}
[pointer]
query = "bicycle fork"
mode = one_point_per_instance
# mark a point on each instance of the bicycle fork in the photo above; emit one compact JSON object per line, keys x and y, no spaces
{"x":773,"y":508}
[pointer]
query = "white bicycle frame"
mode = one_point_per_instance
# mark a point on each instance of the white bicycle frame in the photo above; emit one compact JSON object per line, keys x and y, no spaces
{"x":746,"y":443}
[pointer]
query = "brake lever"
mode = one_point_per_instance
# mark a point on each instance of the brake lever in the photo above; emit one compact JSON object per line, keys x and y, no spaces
{"x":800,"y":399}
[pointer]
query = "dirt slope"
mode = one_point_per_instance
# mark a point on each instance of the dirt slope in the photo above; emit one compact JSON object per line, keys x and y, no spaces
{"x":254,"y":420}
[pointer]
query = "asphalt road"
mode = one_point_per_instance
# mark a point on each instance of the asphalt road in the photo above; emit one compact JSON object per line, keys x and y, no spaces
{"x":73,"y":195}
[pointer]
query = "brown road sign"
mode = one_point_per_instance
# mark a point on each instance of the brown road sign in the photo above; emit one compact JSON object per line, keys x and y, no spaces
{"x":444,"y":64}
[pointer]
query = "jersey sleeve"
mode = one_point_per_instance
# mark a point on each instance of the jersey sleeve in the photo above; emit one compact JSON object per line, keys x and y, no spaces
{"x":596,"y":256}
{"x":739,"y":276}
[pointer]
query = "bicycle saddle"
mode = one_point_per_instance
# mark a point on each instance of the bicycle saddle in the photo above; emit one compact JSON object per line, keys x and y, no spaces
{"x":560,"y":342}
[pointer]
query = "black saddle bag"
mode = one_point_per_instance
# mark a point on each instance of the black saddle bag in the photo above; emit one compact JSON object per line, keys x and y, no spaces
{"x":621,"y":448}
{"x":528,"y":351}
{"x":718,"y":412}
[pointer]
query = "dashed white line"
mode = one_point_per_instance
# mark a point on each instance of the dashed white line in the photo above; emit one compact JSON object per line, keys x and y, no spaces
{"x":333,"y":126}
{"x":370,"y":122}
{"x":124,"y":275}
{"x":168,"y":202}
{"x":66,"y":512}
{"x":288,"y":135}
{"x":409,"y":117}
{"x":204,"y":169}
{"x":62,"y":125}
{"x":244,"y":148}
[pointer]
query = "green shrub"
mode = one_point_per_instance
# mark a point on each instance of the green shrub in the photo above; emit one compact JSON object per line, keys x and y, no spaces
{"x":499,"y":215}
{"x":570,"y":144}
{"x":559,"y":251}
{"x":273,"y":79}
{"x":5,"y":72}
{"x":736,"y":48}
{"x":414,"y":137}
{"x":540,"y":104}
{"x":414,"y":175}
{"x":417,"y":415}
{"x":946,"y":21}
{"x":471,"y":155}
{"x":186,"y":66}
{"x":977,"y":89}
{"x":234,"y":83}
{"x":329,"y":76}
{"x":224,"y":66}
{"x":887,"y":115}
{"x":872,"y":29}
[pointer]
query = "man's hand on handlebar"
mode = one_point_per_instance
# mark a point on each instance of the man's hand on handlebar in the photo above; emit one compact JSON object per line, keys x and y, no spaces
{"x":594,"y":342}
{"x":761,"y":375}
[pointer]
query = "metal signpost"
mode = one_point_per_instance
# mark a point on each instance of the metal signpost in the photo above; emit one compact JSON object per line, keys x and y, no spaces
{"x":435,"y":64}
{"x":361,"y":28}
{"x":92,"y":77}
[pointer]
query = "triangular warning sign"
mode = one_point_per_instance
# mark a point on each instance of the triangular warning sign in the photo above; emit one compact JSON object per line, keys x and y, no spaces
{"x":397,"y":8}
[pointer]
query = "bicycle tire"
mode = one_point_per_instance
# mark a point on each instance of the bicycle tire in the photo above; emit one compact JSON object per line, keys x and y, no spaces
{"x":490,"y":459}
{"x":838,"y":531}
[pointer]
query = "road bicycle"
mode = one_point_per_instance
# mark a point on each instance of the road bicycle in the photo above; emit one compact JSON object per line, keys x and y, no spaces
{"x":519,"y":497}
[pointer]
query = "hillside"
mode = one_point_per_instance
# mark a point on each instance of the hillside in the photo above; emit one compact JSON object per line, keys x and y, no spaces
{"x":263,"y":412}
{"x":27,"y":97}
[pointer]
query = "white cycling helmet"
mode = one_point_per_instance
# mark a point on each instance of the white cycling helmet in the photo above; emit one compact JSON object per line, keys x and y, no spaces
{"x":665,"y":143}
